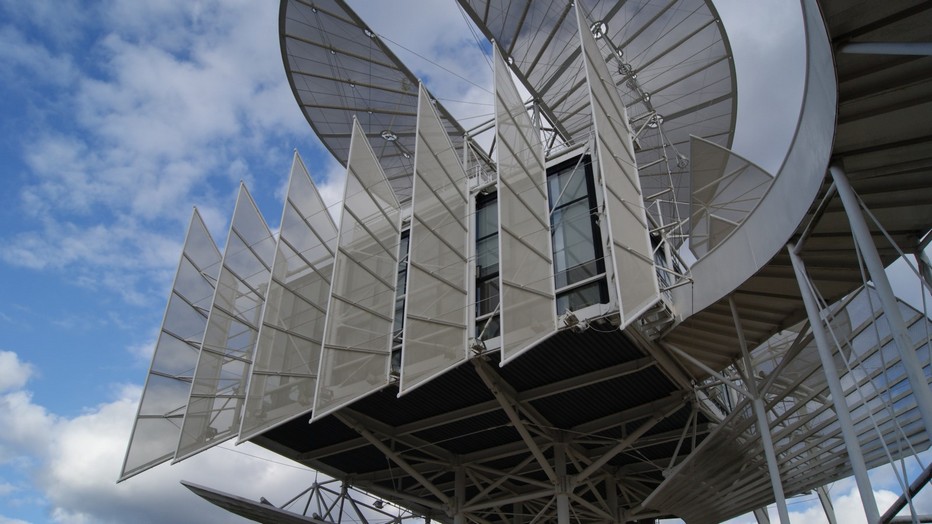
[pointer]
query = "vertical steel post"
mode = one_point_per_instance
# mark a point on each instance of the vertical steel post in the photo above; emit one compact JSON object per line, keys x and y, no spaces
{"x":925,"y":267}
{"x":827,"y":506}
{"x":459,"y":495}
{"x":763,"y":425}
{"x":611,"y":496}
{"x":862,"y":235}
{"x":563,"y":498}
{"x":834,"y":385}
{"x":762,"y":516}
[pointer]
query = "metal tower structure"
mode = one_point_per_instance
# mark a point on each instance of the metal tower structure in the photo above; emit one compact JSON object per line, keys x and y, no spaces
{"x":587,"y":309}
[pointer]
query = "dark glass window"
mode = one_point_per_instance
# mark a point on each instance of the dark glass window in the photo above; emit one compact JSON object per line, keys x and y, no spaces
{"x":400,"y":293}
{"x":577,"y":247}
{"x":487,"y":266}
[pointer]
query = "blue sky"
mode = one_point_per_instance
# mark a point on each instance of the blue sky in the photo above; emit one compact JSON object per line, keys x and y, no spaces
{"x":118,"y":117}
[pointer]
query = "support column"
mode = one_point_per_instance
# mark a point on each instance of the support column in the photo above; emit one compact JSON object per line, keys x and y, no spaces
{"x":563,"y":498}
{"x":763,"y":425}
{"x":925,"y":267}
{"x":517,"y":513}
{"x":827,"y":506}
{"x":459,"y":495}
{"x":611,"y":496}
{"x":834,"y":386}
{"x":762,"y":516}
{"x":904,"y":345}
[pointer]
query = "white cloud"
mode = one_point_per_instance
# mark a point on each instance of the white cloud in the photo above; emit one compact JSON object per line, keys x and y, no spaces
{"x":61,"y":21}
{"x":4,"y":520}
{"x":26,"y":426}
{"x":74,"y":463}
{"x":13,"y":372}
{"x":177,"y":107}
{"x":23,"y":61}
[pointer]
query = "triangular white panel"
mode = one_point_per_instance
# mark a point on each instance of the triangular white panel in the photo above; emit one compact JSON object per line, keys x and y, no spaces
{"x":357,"y":348}
{"x":635,"y":279}
{"x":165,"y":395}
{"x":528,"y":307}
{"x":219,"y":387}
{"x":436,"y":307}
{"x":725,"y":189}
{"x":284,"y":373}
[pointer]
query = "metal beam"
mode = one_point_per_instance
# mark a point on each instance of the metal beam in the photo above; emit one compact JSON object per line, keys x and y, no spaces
{"x":725,"y":380}
{"x":762,"y":516}
{"x":563,"y":498}
{"x":391,"y":454}
{"x":459,"y":495}
{"x":834,"y":383}
{"x":862,"y":235}
{"x":621,"y":446}
{"x":760,"y":413}
{"x":523,"y":497}
{"x":508,"y":404}
{"x":888,"y":48}
{"x":913,"y":490}
{"x":827,"y":506}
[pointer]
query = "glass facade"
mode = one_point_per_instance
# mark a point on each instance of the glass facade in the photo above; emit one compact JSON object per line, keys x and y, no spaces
{"x":400,"y":293}
{"x":487,"y":266}
{"x":578,"y":259}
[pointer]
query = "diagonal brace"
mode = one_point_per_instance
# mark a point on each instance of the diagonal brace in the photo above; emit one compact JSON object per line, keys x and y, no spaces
{"x":391,"y":454}
{"x":508,"y":406}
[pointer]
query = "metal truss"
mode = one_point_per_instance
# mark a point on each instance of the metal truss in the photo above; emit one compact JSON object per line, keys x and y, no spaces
{"x":554,"y":473}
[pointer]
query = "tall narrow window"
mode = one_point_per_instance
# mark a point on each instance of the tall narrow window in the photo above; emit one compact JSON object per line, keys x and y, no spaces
{"x":487,"y":325}
{"x":578,"y":263}
{"x":400,"y":294}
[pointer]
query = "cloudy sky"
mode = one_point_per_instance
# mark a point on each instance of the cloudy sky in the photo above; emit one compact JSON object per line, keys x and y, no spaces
{"x":118,"y":117}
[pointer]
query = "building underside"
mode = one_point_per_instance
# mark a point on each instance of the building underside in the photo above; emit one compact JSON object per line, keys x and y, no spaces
{"x":657,"y":387}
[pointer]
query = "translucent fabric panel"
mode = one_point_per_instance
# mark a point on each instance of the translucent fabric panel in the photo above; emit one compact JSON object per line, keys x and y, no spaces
{"x":528,"y":306}
{"x":284,"y":374}
{"x":725,"y":189}
{"x":165,"y":395}
{"x":218,"y":390}
{"x":436,"y":315}
{"x":676,"y":51}
{"x":636,"y":286}
{"x":358,"y":335}
{"x":337,"y":72}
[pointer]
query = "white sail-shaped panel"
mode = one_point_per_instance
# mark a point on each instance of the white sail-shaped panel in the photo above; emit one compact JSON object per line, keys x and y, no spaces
{"x":528,"y":307}
{"x":284,"y":372}
{"x":219,"y":386}
{"x":725,"y":189}
{"x":357,"y":346}
{"x":436,"y":310}
{"x":165,"y":395}
{"x":636,"y":286}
